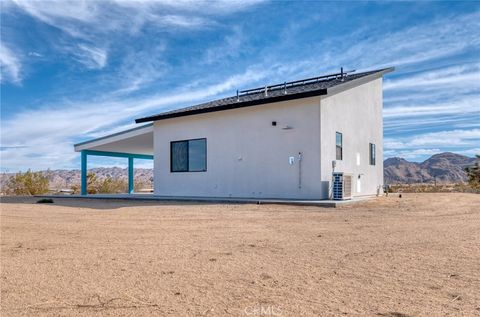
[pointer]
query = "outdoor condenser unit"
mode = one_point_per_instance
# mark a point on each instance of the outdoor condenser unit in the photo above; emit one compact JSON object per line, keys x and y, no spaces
{"x":342,"y":186}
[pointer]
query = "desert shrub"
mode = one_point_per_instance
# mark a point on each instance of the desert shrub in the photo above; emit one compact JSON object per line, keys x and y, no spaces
{"x":141,"y":186}
{"x":107,"y":185}
{"x":28,"y":183}
{"x":91,"y":179}
{"x":473,"y":173}
{"x":430,"y":188}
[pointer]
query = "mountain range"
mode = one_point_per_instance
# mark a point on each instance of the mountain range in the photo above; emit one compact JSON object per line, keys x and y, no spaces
{"x":65,"y":179}
{"x":443,"y":168}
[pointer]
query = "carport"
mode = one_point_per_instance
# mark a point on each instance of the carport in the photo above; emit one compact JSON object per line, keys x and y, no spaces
{"x":136,"y":143}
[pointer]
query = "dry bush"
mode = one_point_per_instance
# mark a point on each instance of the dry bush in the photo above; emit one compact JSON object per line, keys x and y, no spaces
{"x":473,"y":173}
{"x":142,"y":186}
{"x":431,"y":188}
{"x":28,"y":183}
{"x":107,"y":185}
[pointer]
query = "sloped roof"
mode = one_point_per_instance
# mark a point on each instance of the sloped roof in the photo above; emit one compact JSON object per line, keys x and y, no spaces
{"x":304,"y":88}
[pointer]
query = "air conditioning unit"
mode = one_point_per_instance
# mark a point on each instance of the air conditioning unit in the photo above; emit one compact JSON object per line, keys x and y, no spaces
{"x":342,"y":186}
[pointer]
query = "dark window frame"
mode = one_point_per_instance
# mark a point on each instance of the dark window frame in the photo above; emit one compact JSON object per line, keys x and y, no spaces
{"x":188,"y":158}
{"x":372,"y":153}
{"x":339,"y":146}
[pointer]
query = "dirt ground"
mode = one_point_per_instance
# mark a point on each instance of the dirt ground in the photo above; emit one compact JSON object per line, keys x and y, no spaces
{"x":413,"y":256}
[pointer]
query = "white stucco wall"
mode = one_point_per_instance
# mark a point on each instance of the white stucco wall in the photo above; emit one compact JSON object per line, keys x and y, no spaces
{"x":357,"y":114}
{"x":246,"y":155}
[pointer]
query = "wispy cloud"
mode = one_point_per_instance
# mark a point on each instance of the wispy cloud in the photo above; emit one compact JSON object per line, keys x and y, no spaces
{"x":414,"y":147}
{"x":107,"y":16}
{"x":61,"y":125}
{"x":411,"y":154}
{"x":449,"y":77}
{"x":404,"y":48}
{"x":466,"y":105}
{"x":35,"y":54}
{"x":181,"y":21}
{"x":140,"y":68}
{"x":91,"y":57}
{"x":449,"y":138}
{"x":151,"y":74}
{"x":433,"y":99}
{"x":10,"y":65}
{"x":91,"y":28}
{"x":232,"y":46}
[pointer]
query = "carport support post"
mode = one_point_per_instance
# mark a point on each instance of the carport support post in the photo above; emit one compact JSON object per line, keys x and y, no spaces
{"x":130,"y":175}
{"x":84,"y":173}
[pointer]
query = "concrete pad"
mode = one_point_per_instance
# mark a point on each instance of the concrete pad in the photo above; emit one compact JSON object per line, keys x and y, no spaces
{"x":222,"y":200}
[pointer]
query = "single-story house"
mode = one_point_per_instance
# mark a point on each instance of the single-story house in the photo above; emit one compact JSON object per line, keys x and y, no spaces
{"x":304,"y":139}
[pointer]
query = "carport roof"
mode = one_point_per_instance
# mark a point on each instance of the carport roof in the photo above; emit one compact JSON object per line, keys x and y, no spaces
{"x":138,"y":140}
{"x":308,"y":87}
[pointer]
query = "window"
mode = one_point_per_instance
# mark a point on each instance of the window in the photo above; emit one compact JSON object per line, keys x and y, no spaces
{"x":188,"y":156}
{"x":372,"y":153}
{"x":339,"y":146}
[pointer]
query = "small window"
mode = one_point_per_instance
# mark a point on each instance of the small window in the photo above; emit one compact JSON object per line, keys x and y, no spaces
{"x":339,"y":146}
{"x":188,"y":156}
{"x":372,"y":153}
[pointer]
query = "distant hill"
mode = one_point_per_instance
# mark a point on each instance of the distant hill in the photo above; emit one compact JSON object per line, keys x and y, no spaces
{"x":445,"y":167}
{"x":65,"y":179}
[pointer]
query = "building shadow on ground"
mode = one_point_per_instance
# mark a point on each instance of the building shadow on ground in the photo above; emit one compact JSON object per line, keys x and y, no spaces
{"x":96,"y":203}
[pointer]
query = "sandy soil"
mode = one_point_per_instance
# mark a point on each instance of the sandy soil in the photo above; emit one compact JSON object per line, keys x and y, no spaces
{"x":414,"y":256}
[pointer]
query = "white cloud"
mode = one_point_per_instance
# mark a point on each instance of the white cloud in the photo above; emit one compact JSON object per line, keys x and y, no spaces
{"x":35,"y":54}
{"x":140,"y":68}
{"x":231,"y":47}
{"x":470,"y":152}
{"x":405,"y":48}
{"x":44,"y":137}
{"x":95,"y":23}
{"x":57,"y":125}
{"x":107,"y":16}
{"x":465,"y":105}
{"x":181,"y":21}
{"x":449,"y":138}
{"x":10,"y":65}
{"x":420,"y":154}
{"x":48,"y":10}
{"x":411,"y":154}
{"x":91,"y":57}
{"x":448,"y":77}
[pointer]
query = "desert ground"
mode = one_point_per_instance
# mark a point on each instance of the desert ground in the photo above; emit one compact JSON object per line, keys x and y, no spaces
{"x":418,"y":255}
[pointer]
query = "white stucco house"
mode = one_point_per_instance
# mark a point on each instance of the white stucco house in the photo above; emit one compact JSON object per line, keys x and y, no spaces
{"x":278,"y":141}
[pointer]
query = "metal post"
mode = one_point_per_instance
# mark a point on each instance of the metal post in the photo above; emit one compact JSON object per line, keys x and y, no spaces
{"x":130,"y":175}
{"x":84,"y":173}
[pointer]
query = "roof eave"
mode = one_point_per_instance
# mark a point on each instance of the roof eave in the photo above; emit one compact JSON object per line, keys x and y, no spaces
{"x":358,"y":81}
{"x":78,"y":146}
{"x":240,"y":104}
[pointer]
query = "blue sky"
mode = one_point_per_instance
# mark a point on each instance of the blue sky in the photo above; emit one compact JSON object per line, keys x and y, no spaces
{"x":71,"y":71}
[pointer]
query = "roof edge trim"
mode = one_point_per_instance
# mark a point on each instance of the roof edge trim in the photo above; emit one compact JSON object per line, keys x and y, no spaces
{"x":113,"y":135}
{"x":321,"y":92}
{"x":359,"y":81}
{"x":235,"y":105}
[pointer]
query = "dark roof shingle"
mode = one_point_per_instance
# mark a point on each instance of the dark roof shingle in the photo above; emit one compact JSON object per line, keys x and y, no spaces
{"x":296,"y":90}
